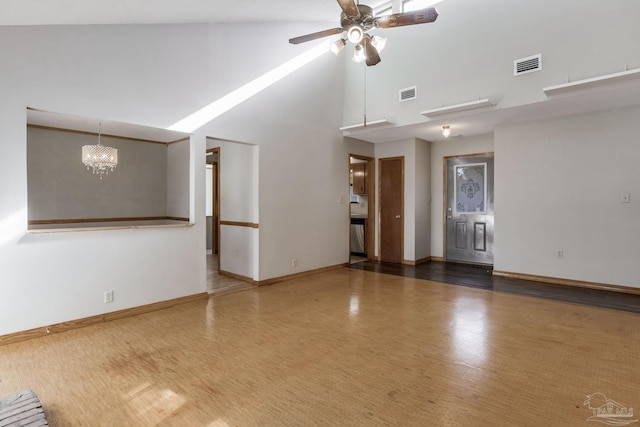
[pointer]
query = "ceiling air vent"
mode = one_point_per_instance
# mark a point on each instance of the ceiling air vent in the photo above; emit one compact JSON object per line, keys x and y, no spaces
{"x":527,"y":65}
{"x":408,"y":93}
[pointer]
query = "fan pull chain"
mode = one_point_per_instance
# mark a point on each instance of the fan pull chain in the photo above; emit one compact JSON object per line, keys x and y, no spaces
{"x":364,"y":67}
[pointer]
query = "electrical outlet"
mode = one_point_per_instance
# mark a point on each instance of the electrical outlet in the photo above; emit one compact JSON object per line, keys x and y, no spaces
{"x":559,"y":253}
{"x":236,"y":252}
{"x":108,"y":297}
{"x":294,"y":262}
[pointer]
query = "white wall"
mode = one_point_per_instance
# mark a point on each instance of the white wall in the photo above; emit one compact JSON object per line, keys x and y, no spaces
{"x":303,"y":158}
{"x":423,"y":199}
{"x":468,"y":54}
{"x":558,"y":185}
{"x":440,"y":150}
{"x":121,"y":74}
{"x":156,"y":75}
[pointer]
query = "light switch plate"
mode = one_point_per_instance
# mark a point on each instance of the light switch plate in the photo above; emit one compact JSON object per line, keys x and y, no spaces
{"x":626,"y":198}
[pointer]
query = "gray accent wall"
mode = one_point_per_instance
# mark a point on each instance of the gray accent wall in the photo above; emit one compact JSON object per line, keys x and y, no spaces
{"x":59,"y":186}
{"x":178,"y":179}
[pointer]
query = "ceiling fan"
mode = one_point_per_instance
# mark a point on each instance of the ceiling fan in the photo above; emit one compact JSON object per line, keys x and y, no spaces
{"x":357,"y":20}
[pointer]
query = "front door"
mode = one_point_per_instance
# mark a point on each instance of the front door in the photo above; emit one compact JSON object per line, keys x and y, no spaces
{"x":391,"y":209}
{"x":469,"y":209}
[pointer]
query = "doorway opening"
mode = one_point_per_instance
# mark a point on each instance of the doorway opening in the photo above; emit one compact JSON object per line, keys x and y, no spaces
{"x":215,"y":242}
{"x":361,"y":208}
{"x":213,"y":201}
{"x":212,"y":216}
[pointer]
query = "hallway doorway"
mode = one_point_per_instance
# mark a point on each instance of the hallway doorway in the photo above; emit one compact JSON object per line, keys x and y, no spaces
{"x":216,"y":284}
{"x":213,"y":201}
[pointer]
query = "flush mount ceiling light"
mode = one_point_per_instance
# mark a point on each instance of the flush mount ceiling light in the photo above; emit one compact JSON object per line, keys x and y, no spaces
{"x":100,"y":158}
{"x":358,"y":19}
{"x":446,"y":131}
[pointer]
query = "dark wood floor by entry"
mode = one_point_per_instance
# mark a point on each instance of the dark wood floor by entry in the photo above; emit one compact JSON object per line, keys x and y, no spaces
{"x":481,"y":277}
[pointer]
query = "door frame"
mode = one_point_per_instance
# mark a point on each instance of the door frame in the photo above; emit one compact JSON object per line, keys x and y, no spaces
{"x":380,"y":160}
{"x":216,"y":199}
{"x":371,"y":208}
{"x":444,"y":193}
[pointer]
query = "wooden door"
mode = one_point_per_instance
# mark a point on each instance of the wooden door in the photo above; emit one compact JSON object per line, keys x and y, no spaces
{"x":392,"y":209}
{"x":469,"y":209}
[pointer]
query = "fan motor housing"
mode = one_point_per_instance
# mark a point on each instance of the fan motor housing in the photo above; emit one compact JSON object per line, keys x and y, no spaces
{"x":365,"y":20}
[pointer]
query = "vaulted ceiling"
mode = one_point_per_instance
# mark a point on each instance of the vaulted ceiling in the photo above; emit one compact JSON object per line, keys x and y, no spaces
{"x":58,"y":12}
{"x":70,"y":12}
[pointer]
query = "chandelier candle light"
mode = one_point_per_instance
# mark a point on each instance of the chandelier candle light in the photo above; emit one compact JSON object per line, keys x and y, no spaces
{"x":100,"y":158}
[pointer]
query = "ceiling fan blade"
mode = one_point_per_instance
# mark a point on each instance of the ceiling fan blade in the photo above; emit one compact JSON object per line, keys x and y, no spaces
{"x":314,"y":36}
{"x":423,"y":16}
{"x":371,"y":53}
{"x":349,"y":7}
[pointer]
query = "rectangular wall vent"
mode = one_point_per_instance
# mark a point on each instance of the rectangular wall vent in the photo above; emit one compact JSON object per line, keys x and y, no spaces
{"x":527,"y":65}
{"x":408,"y":93}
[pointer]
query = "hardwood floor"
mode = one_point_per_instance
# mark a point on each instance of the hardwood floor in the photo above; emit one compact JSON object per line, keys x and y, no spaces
{"x":349,"y":348}
{"x":475,"y":276}
{"x":220,"y":285}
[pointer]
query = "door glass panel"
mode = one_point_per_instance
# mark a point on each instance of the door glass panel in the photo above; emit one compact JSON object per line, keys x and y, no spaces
{"x":470,"y":183}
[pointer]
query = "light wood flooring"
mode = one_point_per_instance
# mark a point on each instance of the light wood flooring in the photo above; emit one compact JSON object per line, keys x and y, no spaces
{"x":220,"y":285}
{"x":343,"y":348}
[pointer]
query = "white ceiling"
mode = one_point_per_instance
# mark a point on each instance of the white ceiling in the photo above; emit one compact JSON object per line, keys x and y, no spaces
{"x":58,"y":12}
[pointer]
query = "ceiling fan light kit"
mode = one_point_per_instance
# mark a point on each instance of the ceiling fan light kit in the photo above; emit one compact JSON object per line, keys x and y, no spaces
{"x":378,"y":42}
{"x":338,"y":45}
{"x":355,"y":34}
{"x":358,"y":54}
{"x":357,"y":20}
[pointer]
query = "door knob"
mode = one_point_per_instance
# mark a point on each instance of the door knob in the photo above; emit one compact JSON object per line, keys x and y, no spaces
{"x":397,"y":216}
{"x":449,"y":217}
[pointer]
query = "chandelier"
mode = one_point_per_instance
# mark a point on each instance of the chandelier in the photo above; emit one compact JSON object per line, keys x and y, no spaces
{"x":100,"y":158}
